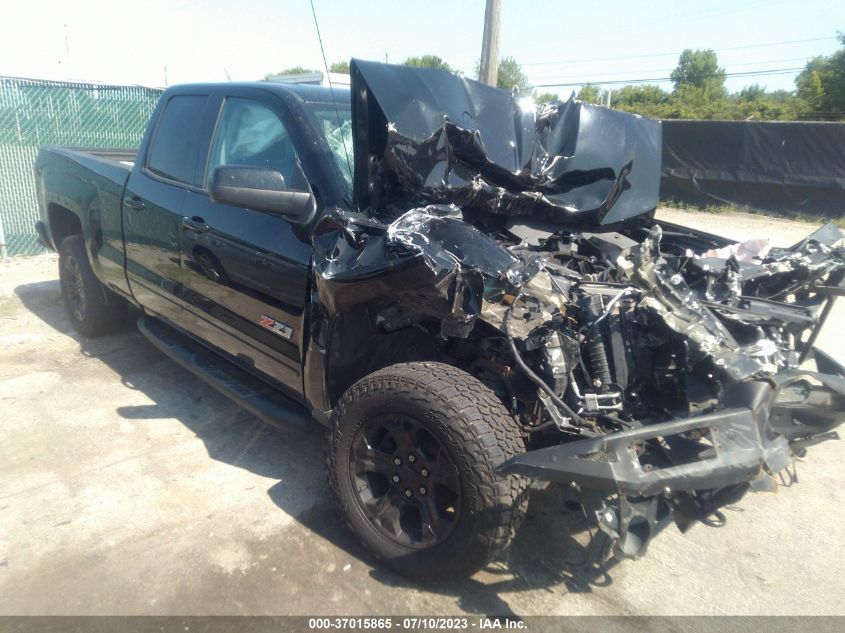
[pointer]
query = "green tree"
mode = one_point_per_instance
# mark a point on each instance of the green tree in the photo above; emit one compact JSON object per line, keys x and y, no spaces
{"x":295,"y":70}
{"x":695,"y":102}
{"x":648,"y":100}
{"x":754,"y":92}
{"x":822,"y":84}
{"x":698,"y":75}
{"x":427,"y":61}
{"x":810,"y":86}
{"x":339,"y":67}
{"x":642,"y":94}
{"x":589,"y":93}
{"x":511,"y":74}
{"x":545,"y":97}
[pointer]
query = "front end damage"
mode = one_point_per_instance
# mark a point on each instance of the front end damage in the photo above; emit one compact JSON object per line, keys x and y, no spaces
{"x":716,"y":398}
{"x":668,"y":370}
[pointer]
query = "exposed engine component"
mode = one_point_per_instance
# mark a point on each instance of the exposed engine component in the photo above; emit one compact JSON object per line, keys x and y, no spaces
{"x":612,"y":332}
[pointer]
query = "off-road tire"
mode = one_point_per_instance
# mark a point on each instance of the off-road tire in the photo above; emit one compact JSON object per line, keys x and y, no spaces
{"x":473,"y":425}
{"x":102,"y":312}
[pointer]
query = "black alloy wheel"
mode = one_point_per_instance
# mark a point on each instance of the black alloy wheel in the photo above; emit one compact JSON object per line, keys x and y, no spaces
{"x":407,"y":483}
{"x":74,"y":288}
{"x":411,"y":459}
{"x":92,"y":309}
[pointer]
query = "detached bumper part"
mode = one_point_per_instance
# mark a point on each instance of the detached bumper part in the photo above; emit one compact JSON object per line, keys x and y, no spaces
{"x":753,"y":437}
{"x":612,"y":463}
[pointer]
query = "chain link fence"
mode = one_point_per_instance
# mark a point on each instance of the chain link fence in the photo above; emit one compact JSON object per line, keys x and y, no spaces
{"x":34,"y":113}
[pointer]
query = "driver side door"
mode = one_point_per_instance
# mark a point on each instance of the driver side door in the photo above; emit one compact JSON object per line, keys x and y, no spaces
{"x":246,"y":271}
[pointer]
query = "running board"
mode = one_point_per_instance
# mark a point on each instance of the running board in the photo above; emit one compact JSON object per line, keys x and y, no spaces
{"x":248,"y":391}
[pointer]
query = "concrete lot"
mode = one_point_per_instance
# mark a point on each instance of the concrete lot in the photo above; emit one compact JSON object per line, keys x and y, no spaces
{"x":129,"y":487}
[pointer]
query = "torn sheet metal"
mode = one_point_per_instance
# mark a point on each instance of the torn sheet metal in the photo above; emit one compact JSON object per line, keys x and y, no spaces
{"x":746,"y":251}
{"x":469,"y":272}
{"x":669,"y":296}
{"x":424,"y":135}
{"x":446,"y":242}
{"x":732,"y":275}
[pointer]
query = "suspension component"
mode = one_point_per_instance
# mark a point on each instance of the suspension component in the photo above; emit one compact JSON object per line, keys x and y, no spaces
{"x":598,"y":362}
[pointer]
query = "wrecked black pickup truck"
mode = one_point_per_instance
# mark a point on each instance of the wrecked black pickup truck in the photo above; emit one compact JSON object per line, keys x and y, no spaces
{"x":468,"y":289}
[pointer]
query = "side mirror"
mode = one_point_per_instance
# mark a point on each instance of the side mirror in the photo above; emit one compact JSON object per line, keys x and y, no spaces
{"x":259,"y":189}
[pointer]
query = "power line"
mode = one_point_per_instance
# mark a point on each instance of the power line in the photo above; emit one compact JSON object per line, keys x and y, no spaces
{"x":661,"y":70}
{"x":676,"y":53}
{"x":750,"y":73}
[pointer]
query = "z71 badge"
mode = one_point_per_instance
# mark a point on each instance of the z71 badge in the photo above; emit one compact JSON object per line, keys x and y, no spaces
{"x":277,"y":327}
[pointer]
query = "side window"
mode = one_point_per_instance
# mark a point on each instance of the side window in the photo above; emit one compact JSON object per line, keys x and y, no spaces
{"x":251,"y":134}
{"x":174,"y":150}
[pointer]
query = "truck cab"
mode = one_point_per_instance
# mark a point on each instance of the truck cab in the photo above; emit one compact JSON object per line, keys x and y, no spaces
{"x":234,"y":276}
{"x":230,"y":273}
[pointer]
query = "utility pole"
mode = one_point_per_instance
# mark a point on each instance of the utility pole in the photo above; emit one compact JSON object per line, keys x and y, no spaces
{"x":489,"y":68}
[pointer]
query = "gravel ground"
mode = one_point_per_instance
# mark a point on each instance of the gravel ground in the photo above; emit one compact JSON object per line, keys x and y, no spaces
{"x":129,"y":487}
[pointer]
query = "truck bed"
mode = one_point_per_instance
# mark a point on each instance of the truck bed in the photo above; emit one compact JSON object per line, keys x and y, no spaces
{"x":77,"y":179}
{"x":112,"y":163}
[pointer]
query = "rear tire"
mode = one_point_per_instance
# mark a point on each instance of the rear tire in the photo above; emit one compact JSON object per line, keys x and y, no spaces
{"x":93,"y":310}
{"x":411,"y":460}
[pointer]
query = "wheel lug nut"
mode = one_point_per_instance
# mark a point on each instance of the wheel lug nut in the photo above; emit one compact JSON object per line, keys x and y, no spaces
{"x":423,"y":490}
{"x":408,"y":492}
{"x":424,"y":472}
{"x":412,"y":458}
{"x":395,"y":479}
{"x":397,"y":461}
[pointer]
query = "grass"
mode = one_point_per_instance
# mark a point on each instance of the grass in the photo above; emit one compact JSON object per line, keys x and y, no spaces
{"x":735,"y":208}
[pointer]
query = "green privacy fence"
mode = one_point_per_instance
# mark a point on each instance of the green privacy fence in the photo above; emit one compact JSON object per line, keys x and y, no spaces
{"x":35,"y":113}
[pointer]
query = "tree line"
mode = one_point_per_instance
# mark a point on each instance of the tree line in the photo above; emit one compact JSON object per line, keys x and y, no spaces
{"x":698,"y":90}
{"x":510,"y":72}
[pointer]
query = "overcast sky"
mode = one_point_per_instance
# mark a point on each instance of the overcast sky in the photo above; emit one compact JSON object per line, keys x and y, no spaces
{"x":563,"y":41}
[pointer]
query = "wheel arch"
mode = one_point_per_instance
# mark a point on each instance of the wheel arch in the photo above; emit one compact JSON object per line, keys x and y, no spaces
{"x":63,"y":223}
{"x":357,"y":349}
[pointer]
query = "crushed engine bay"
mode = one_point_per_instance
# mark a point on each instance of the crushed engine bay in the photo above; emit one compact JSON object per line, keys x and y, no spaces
{"x":657,"y":374}
{"x":668,"y":368}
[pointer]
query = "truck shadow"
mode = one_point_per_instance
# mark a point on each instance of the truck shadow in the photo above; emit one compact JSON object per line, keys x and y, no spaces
{"x":554,"y":548}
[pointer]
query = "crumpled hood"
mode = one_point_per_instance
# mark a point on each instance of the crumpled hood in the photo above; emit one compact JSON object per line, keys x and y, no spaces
{"x":426,"y":136}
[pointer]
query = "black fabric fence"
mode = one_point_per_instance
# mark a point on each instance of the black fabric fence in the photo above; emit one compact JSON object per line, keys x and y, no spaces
{"x":789,"y":168}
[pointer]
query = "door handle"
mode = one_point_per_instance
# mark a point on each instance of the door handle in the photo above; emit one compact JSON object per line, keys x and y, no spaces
{"x":134,"y":202}
{"x":195,"y":223}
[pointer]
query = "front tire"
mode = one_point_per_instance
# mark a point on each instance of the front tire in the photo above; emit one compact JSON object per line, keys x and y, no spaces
{"x":411,"y":460}
{"x":92,"y":309}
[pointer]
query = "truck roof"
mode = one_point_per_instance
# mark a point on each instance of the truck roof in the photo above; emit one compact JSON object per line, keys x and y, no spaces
{"x":307,"y":93}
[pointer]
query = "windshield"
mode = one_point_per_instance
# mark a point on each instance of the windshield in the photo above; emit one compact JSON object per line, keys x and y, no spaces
{"x":336,"y":126}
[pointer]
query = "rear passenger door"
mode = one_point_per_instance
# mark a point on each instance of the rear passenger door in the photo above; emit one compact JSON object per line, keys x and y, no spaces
{"x":246,"y":271}
{"x":153,"y":201}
